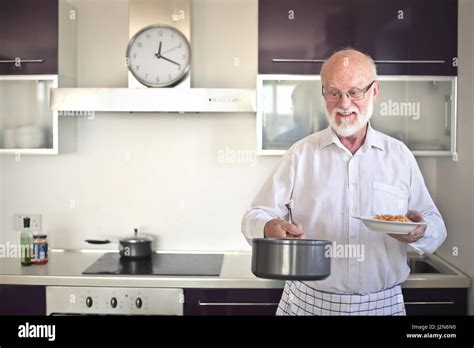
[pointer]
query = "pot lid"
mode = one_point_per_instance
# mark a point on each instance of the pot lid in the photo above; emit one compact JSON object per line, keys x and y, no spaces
{"x":136,"y":239}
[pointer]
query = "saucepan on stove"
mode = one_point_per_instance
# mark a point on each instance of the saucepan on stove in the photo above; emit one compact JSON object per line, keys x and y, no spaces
{"x":134,"y":248}
{"x":291,"y":258}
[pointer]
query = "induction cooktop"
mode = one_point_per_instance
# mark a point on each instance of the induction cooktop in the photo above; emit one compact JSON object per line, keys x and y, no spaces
{"x":159,"y":264}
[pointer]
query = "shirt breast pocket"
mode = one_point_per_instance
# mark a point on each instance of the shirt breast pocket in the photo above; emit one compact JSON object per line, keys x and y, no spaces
{"x":388,"y":199}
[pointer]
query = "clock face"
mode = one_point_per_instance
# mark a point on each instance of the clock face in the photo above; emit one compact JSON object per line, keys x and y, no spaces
{"x":158,"y":56}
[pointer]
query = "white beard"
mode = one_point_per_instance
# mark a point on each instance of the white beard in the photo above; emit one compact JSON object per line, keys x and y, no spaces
{"x":345,"y":129}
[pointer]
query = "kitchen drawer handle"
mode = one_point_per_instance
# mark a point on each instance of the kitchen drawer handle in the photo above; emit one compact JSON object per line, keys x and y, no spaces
{"x":282,"y":60}
{"x":237,"y":303}
{"x":430,"y":303}
{"x":8,"y":61}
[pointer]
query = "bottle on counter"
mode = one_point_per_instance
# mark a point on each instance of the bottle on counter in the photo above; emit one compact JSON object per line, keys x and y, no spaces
{"x":40,"y":246}
{"x":26,"y":243}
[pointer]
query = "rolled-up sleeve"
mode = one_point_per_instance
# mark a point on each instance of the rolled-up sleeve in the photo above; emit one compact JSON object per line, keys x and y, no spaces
{"x":270,"y":201}
{"x":420,"y":200}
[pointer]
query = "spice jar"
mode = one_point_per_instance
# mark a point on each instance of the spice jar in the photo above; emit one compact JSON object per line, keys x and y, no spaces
{"x":40,"y":247}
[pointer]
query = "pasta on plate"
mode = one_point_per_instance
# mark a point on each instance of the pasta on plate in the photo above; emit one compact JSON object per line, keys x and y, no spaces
{"x":387,"y":217}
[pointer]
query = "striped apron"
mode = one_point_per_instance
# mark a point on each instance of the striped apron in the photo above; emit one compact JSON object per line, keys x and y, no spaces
{"x":299,"y":298}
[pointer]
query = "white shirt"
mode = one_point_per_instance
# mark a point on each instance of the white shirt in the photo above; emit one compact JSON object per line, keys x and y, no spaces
{"x":324,"y":179}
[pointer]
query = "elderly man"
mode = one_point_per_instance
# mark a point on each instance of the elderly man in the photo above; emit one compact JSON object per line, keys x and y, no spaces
{"x":348,"y":168}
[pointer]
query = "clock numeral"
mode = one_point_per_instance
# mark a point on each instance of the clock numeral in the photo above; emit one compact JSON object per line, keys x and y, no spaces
{"x":236,"y":62}
{"x":137,"y":67}
{"x":139,"y":44}
{"x":148,"y":36}
{"x":169,"y":76}
{"x":179,"y":67}
{"x":160,"y":32}
{"x":146,"y":75}
{"x":172,"y":36}
{"x":180,"y":45}
{"x":184,"y":56}
{"x":134,"y":55}
{"x":158,"y":79}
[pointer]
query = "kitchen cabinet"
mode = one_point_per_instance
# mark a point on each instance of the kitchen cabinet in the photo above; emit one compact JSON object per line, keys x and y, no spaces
{"x":231,"y":301}
{"x":420,"y":111}
{"x":22,"y":300}
{"x":223,"y":302}
{"x":42,"y":30}
{"x":435,"y":301}
{"x":27,"y":125}
{"x":28,"y":37}
{"x":404,"y":37}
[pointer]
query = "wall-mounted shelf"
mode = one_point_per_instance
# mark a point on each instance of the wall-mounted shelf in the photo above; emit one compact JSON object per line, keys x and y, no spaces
{"x":154,"y":100}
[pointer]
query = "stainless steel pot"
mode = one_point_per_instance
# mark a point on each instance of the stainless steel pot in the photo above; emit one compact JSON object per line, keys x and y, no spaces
{"x":291,"y":259}
{"x":136,"y":247}
{"x":133,"y":248}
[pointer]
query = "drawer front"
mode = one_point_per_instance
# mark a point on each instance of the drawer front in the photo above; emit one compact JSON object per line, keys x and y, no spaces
{"x":231,"y":301}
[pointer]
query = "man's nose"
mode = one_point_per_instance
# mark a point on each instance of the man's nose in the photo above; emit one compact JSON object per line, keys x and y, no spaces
{"x":344,"y":102}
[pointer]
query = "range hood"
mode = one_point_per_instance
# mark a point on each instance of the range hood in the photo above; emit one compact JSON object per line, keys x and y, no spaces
{"x":154,"y":100}
{"x":138,"y":98}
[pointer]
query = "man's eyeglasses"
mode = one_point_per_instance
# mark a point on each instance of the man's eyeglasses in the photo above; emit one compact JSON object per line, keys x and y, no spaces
{"x":333,"y":94}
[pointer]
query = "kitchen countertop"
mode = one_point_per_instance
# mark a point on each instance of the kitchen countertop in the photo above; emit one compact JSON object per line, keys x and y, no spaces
{"x":65,"y":269}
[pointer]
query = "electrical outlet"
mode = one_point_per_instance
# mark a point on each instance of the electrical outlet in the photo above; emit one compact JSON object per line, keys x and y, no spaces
{"x":35,"y":221}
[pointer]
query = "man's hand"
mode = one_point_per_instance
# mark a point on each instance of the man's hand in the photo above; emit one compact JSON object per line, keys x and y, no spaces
{"x":277,"y":228}
{"x":414,"y":235}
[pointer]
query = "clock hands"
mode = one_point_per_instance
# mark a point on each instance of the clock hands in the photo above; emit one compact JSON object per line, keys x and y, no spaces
{"x":171,"y":61}
{"x":172,"y":49}
{"x":158,"y":55}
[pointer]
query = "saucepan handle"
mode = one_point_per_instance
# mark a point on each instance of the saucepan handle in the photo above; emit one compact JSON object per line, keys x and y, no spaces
{"x":97,"y":241}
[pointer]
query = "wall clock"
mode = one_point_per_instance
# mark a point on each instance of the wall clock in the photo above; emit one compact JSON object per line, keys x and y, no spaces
{"x":159,"y":55}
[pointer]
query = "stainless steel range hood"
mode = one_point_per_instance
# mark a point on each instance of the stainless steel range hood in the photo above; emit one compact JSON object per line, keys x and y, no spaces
{"x":154,"y":100}
{"x":138,"y":98}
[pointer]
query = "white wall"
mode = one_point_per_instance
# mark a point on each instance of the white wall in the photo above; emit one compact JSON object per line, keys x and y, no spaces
{"x":171,"y":175}
{"x":162,"y":173}
{"x":455,"y":191}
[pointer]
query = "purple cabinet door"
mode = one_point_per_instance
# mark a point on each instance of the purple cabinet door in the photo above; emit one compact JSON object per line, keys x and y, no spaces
{"x":22,"y":300}
{"x":29,"y":31}
{"x":225,"y":302}
{"x":408,"y":31}
{"x":447,"y":301}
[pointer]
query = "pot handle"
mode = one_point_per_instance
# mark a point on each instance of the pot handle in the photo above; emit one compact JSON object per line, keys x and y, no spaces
{"x":97,"y":241}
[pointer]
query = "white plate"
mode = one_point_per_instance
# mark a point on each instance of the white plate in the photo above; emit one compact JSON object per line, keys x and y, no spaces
{"x":394,"y":227}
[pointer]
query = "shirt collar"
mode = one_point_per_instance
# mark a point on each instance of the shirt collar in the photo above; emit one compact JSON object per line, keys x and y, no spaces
{"x":371,"y":139}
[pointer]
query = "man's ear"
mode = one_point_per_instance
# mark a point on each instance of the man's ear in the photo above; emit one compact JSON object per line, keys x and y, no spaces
{"x":375,"y":90}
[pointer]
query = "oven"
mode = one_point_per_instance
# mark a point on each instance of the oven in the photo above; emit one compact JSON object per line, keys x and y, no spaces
{"x":75,"y":300}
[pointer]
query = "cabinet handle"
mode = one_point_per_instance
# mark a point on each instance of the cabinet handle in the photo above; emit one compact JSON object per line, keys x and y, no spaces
{"x":446,"y":114}
{"x":8,"y":61}
{"x":429,"y":303}
{"x":237,"y":303}
{"x":282,"y":60}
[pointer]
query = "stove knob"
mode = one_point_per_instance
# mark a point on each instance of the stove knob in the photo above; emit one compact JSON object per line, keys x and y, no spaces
{"x":89,"y":301}
{"x":138,"y":302}
{"x":113,"y":302}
